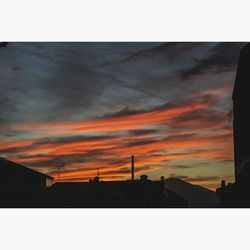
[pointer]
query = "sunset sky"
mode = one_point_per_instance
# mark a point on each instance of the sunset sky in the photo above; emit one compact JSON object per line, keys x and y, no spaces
{"x":84,"y":106}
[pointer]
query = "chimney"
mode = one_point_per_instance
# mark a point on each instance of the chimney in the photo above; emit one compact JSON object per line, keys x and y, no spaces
{"x":223,"y":183}
{"x":132,"y":167}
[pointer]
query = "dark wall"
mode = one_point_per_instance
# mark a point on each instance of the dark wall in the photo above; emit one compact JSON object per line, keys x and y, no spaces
{"x":241,"y":110}
{"x":21,"y":180}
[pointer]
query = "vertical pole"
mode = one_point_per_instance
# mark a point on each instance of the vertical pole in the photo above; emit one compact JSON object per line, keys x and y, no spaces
{"x":58,"y":173}
{"x":132,"y":165}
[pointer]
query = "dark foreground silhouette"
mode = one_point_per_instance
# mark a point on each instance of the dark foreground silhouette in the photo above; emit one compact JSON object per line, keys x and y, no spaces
{"x":196,"y":196}
{"x":238,"y":193}
{"x":21,"y":187}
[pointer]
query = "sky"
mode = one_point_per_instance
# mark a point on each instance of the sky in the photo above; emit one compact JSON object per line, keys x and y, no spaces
{"x":84,"y":106}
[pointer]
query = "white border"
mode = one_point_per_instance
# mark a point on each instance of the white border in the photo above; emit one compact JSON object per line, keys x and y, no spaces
{"x":124,"y":229}
{"x":128,"y":20}
{"x":120,"y":20}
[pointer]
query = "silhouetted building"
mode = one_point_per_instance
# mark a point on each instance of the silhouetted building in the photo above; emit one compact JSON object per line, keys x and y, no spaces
{"x":241,"y":112}
{"x":16,"y":175}
{"x":196,"y":196}
{"x":238,"y":194}
{"x":223,"y":183}
{"x":23,"y":187}
{"x":119,"y":194}
{"x":96,"y":179}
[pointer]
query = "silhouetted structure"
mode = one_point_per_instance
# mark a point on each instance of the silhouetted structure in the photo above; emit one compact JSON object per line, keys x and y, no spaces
{"x":241,"y":112}
{"x":114,"y":194}
{"x":223,"y":183}
{"x":59,"y":168}
{"x":144,"y":178}
{"x":23,"y":187}
{"x":16,"y":175}
{"x":238,"y":194}
{"x":132,"y":168}
{"x":96,"y":179}
{"x":196,"y":196}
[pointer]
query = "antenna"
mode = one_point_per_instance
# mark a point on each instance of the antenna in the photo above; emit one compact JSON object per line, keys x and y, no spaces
{"x":59,"y":167}
{"x":96,"y":179}
{"x":132,"y":167}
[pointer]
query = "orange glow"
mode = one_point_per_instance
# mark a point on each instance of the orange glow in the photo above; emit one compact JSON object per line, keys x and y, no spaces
{"x":210,"y":140}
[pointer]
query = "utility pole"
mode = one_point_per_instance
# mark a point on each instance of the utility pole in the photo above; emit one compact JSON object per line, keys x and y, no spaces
{"x":59,"y":167}
{"x":132,"y":168}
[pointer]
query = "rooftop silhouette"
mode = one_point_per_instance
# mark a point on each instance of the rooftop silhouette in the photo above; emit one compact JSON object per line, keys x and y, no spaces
{"x":23,"y":187}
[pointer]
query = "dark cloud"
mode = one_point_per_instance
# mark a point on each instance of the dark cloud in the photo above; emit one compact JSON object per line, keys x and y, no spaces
{"x":180,"y":166}
{"x":203,"y":178}
{"x":223,"y":57}
{"x":124,"y":112}
{"x":128,"y":170}
{"x":63,"y":159}
{"x":54,"y":141}
{"x":206,"y":119}
{"x":129,"y":111}
{"x":81,"y":162}
{"x":140,"y":132}
{"x":139,"y":143}
{"x":195,"y":179}
{"x":59,"y":80}
{"x":148,"y":53}
{"x":182,"y":102}
{"x":15,"y":68}
{"x":71,"y":139}
{"x":170,"y":51}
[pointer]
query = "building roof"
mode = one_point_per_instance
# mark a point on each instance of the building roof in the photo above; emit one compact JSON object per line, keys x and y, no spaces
{"x":116,"y":194}
{"x":7,"y":165}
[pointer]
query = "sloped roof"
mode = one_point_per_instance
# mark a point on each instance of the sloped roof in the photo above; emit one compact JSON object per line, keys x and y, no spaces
{"x":8,"y":165}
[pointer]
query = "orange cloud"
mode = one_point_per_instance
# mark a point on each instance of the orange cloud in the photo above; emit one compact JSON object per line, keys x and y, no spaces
{"x":73,"y":144}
